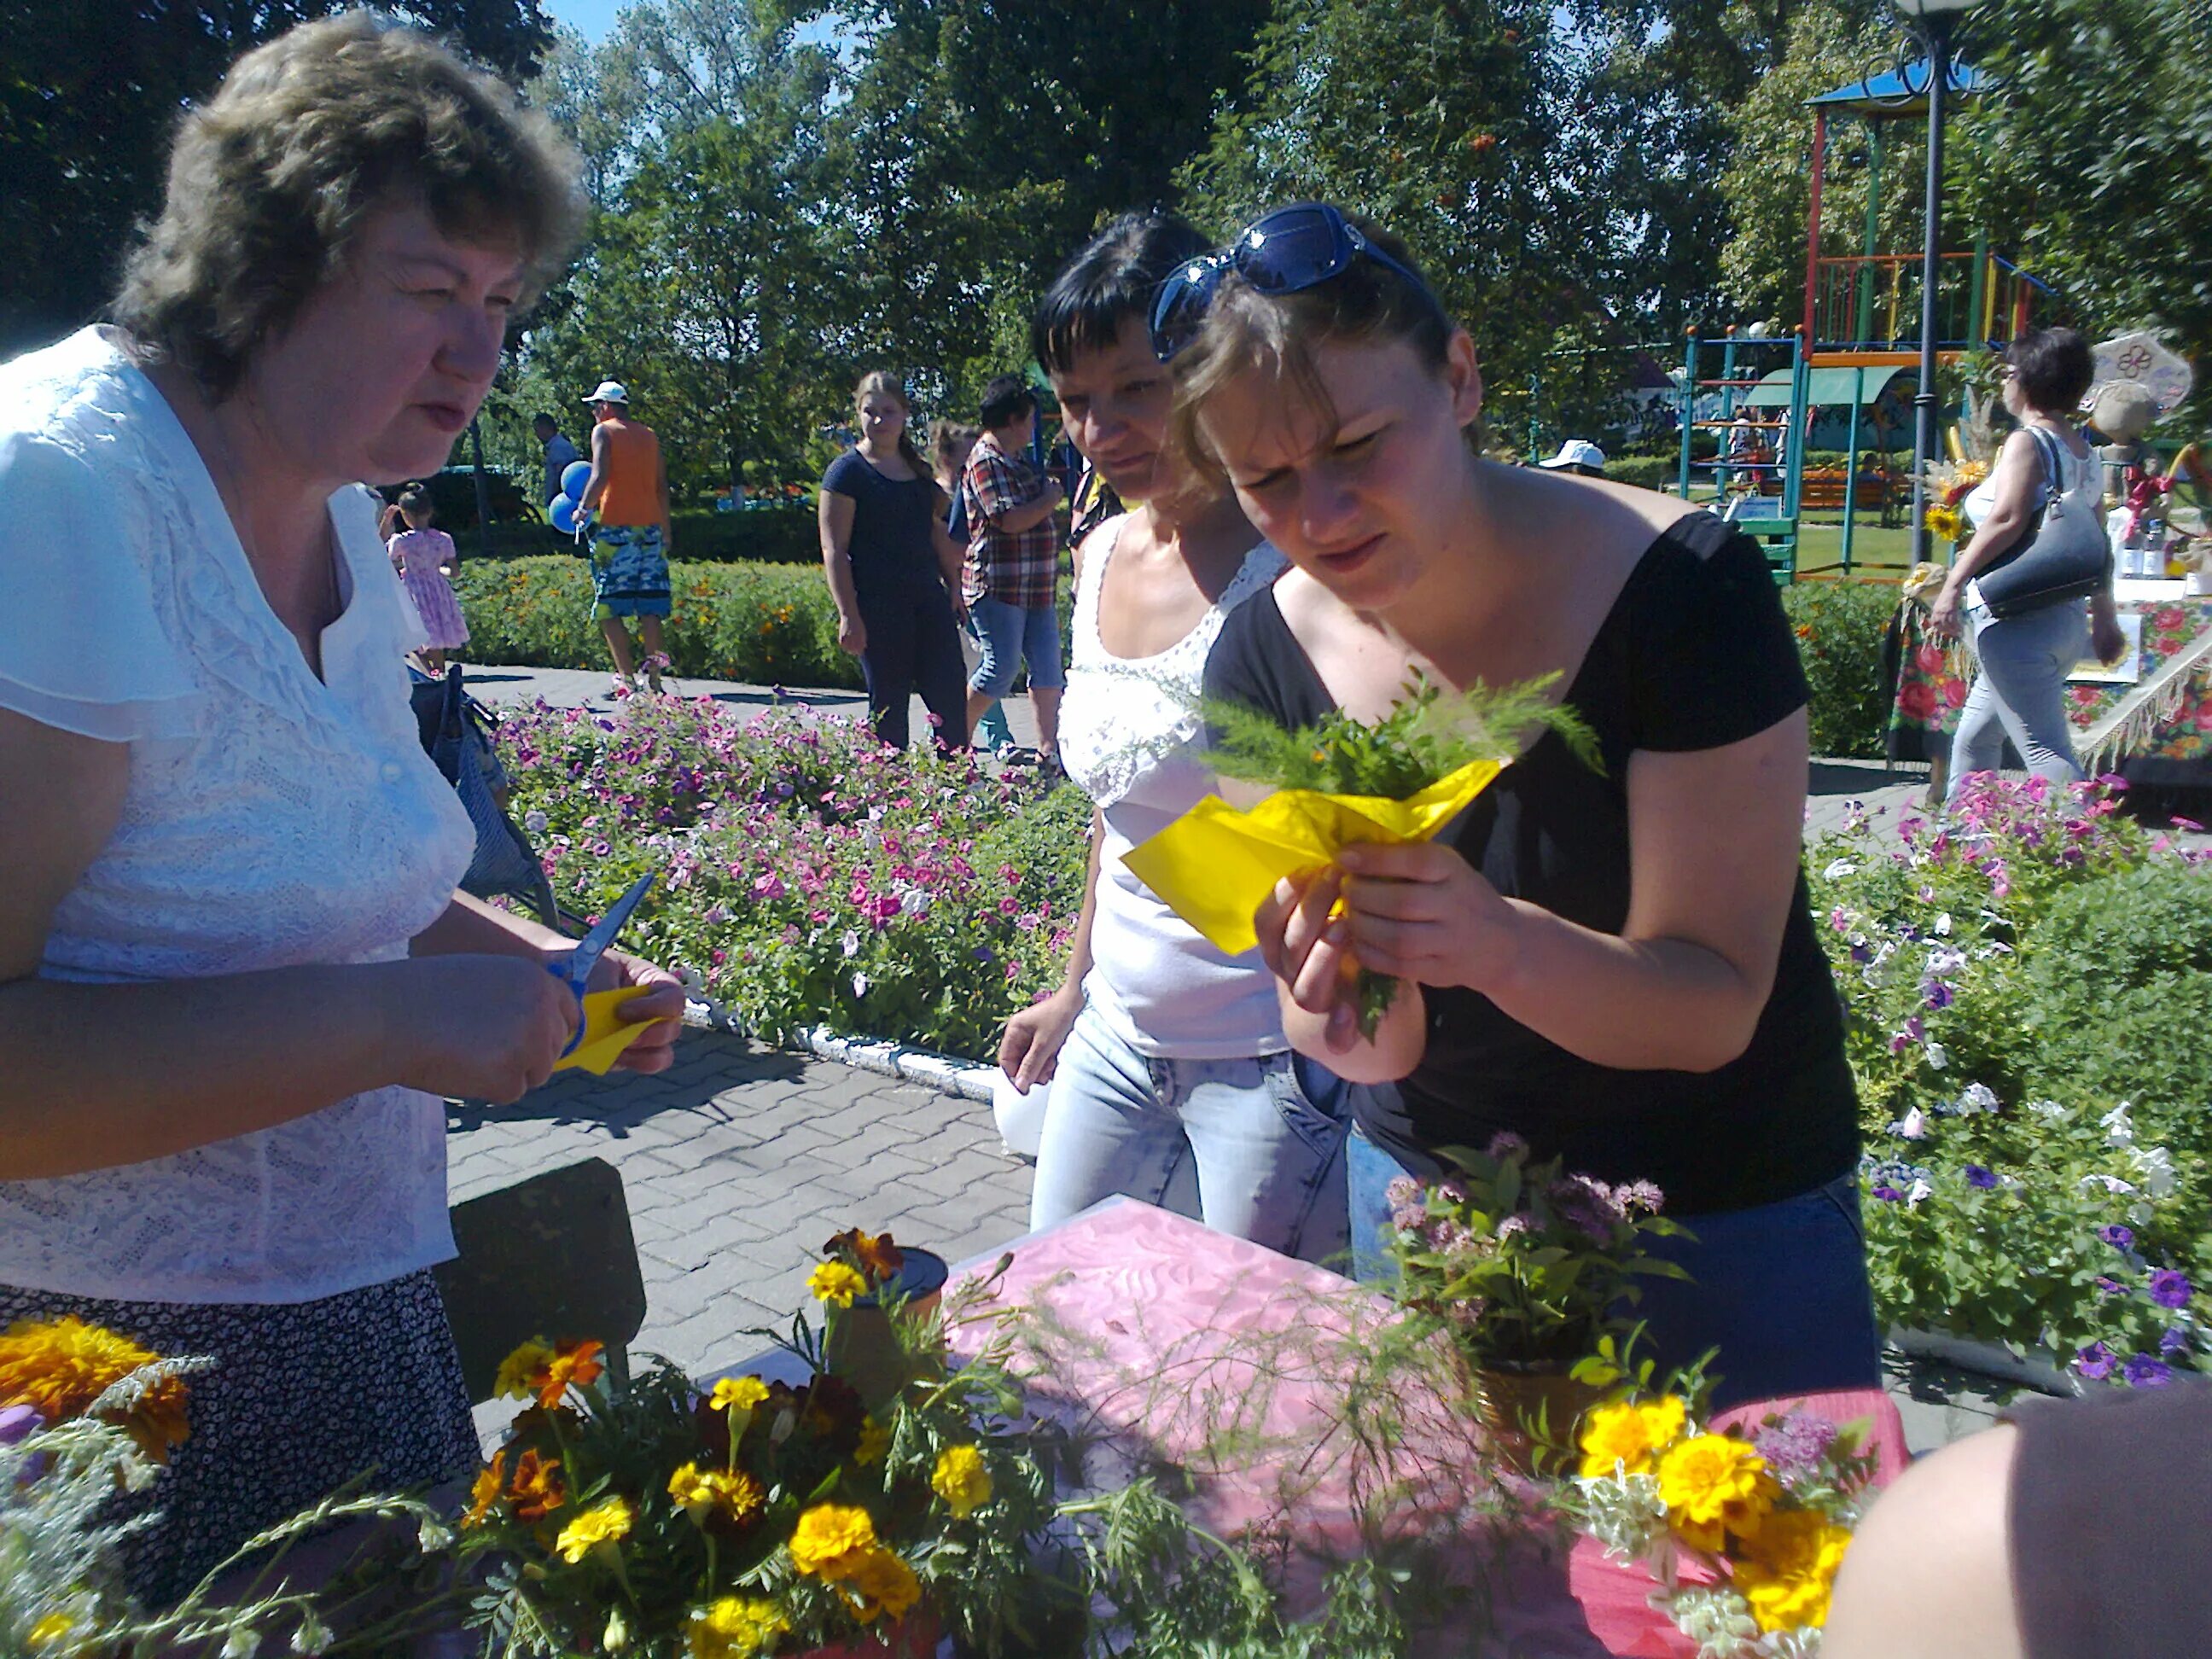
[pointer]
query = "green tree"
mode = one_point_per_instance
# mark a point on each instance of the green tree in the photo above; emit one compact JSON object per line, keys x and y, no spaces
{"x":89,"y":91}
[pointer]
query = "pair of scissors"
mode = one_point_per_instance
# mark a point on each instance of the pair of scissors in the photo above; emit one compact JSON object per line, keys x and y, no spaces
{"x":577,"y":974}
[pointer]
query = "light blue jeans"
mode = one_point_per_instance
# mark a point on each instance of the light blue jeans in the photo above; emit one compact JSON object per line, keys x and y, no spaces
{"x":1780,"y":1289}
{"x":2020,"y":692}
{"x":1267,"y":1134}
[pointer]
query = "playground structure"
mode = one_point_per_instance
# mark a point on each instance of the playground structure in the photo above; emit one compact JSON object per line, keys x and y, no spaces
{"x":1859,"y":332}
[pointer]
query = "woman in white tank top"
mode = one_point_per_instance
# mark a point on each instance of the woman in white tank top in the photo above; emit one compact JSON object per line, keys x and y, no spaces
{"x":1161,"y":1050}
{"x":2020,"y":685}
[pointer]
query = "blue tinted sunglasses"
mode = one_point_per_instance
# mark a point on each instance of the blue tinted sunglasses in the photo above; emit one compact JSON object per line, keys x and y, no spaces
{"x":1285,"y":252}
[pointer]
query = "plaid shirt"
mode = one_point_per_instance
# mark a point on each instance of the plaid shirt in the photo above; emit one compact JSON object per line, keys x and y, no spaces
{"x":1019,"y":567}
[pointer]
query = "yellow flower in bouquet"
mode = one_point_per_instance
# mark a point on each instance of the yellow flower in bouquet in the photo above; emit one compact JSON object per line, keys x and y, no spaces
{"x":1947,"y":522}
{"x":1790,"y":1570}
{"x":537,"y":1488}
{"x":490,"y":1482}
{"x":1713,"y":1485}
{"x":877,"y":1582}
{"x":830,"y":1534}
{"x":516,"y":1371}
{"x":703,"y":1492}
{"x":1630,"y":1434}
{"x":603,"y":1523}
{"x":836,"y":1283}
{"x":962,"y":1481}
{"x":59,"y":1367}
{"x":735,"y":1627}
{"x":875,"y":1440}
{"x":50,"y":1630}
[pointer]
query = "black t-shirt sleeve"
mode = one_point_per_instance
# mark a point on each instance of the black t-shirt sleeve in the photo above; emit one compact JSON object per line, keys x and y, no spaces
{"x":1256,"y":661}
{"x":1712,"y":659}
{"x":839,"y":479}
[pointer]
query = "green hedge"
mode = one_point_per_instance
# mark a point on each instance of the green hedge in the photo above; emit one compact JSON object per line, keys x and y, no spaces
{"x":1840,"y":631}
{"x":764,"y":624}
{"x":762,"y":535}
{"x":769,"y":624}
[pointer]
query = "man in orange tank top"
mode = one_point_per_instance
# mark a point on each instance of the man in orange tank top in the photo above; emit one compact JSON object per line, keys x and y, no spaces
{"x":627,"y":497}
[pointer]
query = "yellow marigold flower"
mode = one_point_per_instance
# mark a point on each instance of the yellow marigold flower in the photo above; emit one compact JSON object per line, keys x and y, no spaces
{"x":1630,"y":1434}
{"x":875,"y":1582}
{"x":827,"y":1536}
{"x":740,"y":1394}
{"x":59,"y":1367}
{"x":875,"y":1440}
{"x":735,"y":1628}
{"x":1712,"y":1481}
{"x":519,"y":1367}
{"x":50,"y":1629}
{"x":836,"y":1283}
{"x":703,"y":1491}
{"x":961,"y":1481}
{"x":490,"y":1480}
{"x":1791,"y":1568}
{"x":603,"y":1523}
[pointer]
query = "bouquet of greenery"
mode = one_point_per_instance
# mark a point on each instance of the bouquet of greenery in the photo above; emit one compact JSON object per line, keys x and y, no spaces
{"x":1744,"y":1529}
{"x":1338,"y":781}
{"x":1530,"y":1267}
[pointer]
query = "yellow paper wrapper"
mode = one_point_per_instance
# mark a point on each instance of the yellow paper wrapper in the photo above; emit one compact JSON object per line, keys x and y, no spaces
{"x":1215,"y":865}
{"x":606,"y":1034}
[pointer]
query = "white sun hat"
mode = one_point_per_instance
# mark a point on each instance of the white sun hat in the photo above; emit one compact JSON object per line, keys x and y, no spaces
{"x":1576,"y":452}
{"x":610,"y":391}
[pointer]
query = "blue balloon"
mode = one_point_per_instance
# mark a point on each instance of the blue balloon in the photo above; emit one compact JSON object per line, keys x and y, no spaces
{"x":562,"y":512}
{"x":574,"y":477}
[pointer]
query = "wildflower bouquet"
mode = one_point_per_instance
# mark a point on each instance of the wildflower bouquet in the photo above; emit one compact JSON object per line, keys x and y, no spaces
{"x":1338,"y":781}
{"x":758,"y":1517}
{"x":1743,"y":1530}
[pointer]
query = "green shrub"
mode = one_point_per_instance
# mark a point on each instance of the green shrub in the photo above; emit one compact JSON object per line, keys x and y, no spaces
{"x":761,"y":624}
{"x":1646,"y":472}
{"x":764,"y":535}
{"x":1840,"y":633}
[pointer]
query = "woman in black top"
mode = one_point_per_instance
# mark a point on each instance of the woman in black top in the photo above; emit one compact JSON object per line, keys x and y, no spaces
{"x":894,"y":572}
{"x":1619,"y":966}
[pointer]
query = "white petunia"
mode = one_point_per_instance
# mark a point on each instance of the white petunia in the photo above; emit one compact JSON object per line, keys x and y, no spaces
{"x":852,"y":942}
{"x":1914,"y":1126}
{"x":1914,"y":1193}
{"x":2119,"y":1125}
{"x":1838,"y":870}
{"x":2155,"y":1166}
{"x":1944,"y":925}
{"x":1978,"y":1097}
{"x":1938,"y":1056}
{"x":860,"y":986}
{"x":2111,"y":1183}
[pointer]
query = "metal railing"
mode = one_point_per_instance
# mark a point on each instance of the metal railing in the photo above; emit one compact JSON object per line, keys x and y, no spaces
{"x":1871,"y":302}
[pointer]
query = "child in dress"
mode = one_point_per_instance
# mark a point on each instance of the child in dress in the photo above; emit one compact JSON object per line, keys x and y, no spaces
{"x":424,"y":558}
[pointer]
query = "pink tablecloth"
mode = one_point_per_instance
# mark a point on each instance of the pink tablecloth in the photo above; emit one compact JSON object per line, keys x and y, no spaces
{"x":1160,"y":1332}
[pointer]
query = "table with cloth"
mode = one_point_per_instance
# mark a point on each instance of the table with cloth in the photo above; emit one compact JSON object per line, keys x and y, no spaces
{"x":2151,"y":717}
{"x":1161,"y":1332}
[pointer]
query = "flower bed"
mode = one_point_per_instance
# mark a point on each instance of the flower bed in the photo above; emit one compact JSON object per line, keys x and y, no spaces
{"x":2027,"y":985}
{"x":810,"y":875}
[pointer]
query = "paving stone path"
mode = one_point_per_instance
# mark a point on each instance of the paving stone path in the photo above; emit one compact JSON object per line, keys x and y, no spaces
{"x":739,"y":1160}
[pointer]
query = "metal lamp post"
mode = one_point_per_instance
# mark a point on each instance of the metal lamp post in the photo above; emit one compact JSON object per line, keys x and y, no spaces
{"x":1932,"y":21}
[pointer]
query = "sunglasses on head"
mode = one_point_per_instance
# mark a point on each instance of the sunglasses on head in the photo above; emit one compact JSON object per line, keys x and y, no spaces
{"x":1285,"y":252}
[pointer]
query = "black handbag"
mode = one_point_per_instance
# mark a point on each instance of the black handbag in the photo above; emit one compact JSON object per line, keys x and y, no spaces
{"x":2064,"y":555}
{"x":451,"y":727}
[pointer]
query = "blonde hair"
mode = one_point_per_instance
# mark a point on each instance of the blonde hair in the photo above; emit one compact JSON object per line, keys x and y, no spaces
{"x":271,"y":181}
{"x":1276,"y":334}
{"x":882,"y":383}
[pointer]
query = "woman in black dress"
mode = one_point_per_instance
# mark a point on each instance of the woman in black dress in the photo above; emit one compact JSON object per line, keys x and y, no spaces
{"x":894,"y":572}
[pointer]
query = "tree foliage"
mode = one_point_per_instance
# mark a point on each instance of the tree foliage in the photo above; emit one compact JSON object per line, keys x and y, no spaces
{"x":89,"y":92}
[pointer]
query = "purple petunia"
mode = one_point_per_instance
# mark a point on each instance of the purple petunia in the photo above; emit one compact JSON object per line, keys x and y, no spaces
{"x":1887,"y":1194}
{"x":2173,"y":1340}
{"x":2119,"y":1237}
{"x":18,"y":1421}
{"x":2095,"y":1361}
{"x":2169,"y":1289}
{"x":2144,"y":1372}
{"x":1978,"y":1177}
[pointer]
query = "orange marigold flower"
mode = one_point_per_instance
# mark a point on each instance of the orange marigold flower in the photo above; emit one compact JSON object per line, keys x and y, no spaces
{"x":490,"y":1480}
{"x":538,"y":1489}
{"x":572,"y":1362}
{"x":59,"y":1367}
{"x":874,"y":1254}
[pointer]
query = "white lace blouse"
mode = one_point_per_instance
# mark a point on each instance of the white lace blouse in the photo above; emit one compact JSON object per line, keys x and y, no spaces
{"x":1129,"y":730}
{"x":272,"y":820}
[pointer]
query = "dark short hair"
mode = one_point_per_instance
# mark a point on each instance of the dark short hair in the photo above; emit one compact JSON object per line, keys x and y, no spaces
{"x":1110,"y":281}
{"x":2054,"y":368}
{"x":271,"y":180}
{"x":543,"y":419}
{"x":1006,"y":399}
